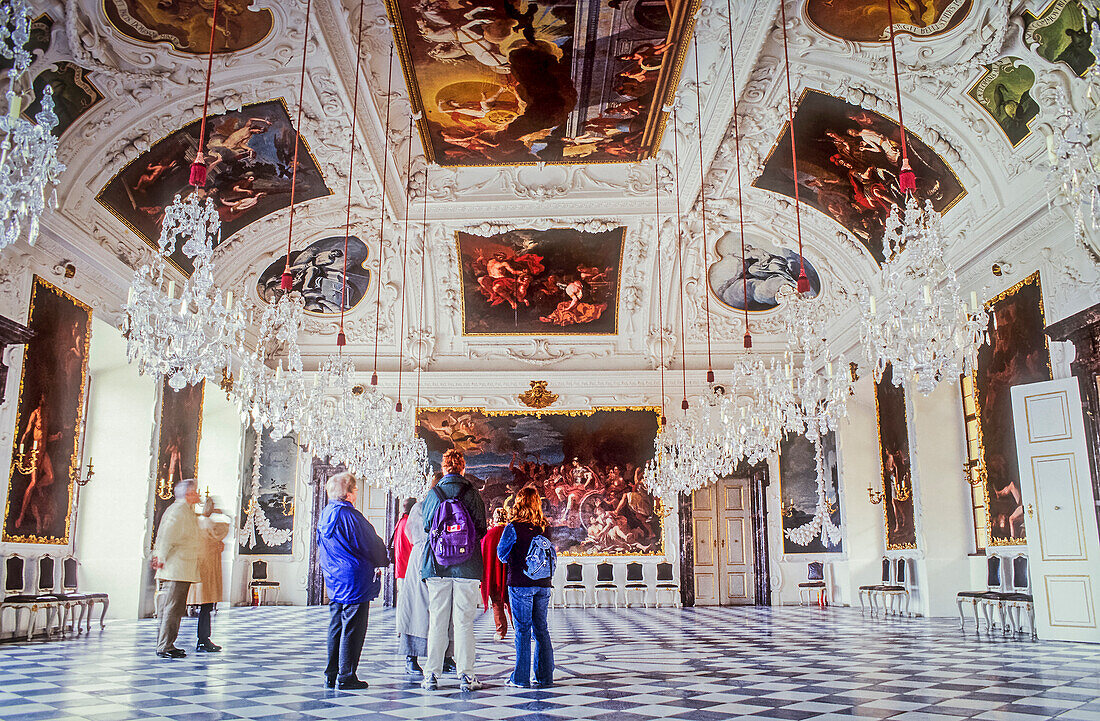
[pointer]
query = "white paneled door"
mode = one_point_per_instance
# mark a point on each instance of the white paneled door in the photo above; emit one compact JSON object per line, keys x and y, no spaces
{"x":723,"y":544}
{"x":1062,"y":543}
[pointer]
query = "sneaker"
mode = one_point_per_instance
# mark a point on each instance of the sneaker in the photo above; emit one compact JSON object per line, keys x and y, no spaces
{"x":513,"y":684}
{"x":470,"y":683}
{"x":208,"y":647}
{"x":429,"y":683}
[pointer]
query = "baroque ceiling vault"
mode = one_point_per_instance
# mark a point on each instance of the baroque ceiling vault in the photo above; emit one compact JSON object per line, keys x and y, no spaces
{"x":521,"y":175}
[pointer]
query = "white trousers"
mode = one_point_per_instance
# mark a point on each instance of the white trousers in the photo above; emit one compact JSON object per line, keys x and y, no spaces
{"x":452,"y":602}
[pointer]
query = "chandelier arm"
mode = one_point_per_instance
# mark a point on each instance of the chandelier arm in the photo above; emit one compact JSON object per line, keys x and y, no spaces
{"x":287,"y":283}
{"x":679,"y":249}
{"x":740,"y":195}
{"x":341,"y":339}
{"x":703,"y":201}
{"x":404,"y":266}
{"x":803,"y":280}
{"x":382,"y":222}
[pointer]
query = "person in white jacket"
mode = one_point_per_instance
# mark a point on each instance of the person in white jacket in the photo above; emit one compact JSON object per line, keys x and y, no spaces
{"x":176,"y":561}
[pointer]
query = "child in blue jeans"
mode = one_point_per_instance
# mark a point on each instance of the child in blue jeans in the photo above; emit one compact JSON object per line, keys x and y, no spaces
{"x":530,"y":558}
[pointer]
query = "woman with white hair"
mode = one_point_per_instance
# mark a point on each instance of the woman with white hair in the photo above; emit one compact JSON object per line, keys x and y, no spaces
{"x":351,"y":555}
{"x":208,"y":591}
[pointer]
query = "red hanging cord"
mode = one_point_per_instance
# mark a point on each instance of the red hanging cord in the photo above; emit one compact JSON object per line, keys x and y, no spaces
{"x":907,"y":179}
{"x":660,"y":285}
{"x":803,"y":280}
{"x":198,"y":167}
{"x":288,"y":280}
{"x":740,"y":196}
{"x":341,"y":339}
{"x":703,"y":201}
{"x":423,"y":282}
{"x":679,"y":252}
{"x":404,"y":266}
{"x":382,"y":223}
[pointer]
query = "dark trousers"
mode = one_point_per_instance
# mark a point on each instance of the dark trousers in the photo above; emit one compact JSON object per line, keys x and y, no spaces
{"x":346,"y":631}
{"x":205,"y":609}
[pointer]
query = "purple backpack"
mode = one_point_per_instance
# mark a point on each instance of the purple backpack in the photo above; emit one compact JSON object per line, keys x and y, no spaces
{"x":453,"y":538}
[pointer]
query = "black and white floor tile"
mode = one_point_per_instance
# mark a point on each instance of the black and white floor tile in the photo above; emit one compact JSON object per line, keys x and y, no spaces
{"x":613,"y":665}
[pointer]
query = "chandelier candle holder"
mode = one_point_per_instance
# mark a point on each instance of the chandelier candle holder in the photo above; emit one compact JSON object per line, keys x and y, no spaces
{"x":918,"y":323}
{"x":29,"y":168}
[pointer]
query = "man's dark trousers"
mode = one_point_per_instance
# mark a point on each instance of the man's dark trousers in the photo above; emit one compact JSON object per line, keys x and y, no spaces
{"x":346,"y":631}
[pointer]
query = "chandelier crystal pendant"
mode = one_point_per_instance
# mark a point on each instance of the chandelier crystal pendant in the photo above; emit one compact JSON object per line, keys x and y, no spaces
{"x":1070,"y":163}
{"x":29,"y":167}
{"x":918,"y":323}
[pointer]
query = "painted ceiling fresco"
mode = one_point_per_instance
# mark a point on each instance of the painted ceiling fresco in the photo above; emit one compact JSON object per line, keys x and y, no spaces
{"x":1061,"y":35}
{"x":849,"y":159}
{"x":540,"y":282}
{"x":185,"y":24}
{"x":506,"y":82}
{"x":1004,"y":91}
{"x":865,"y":21}
{"x":318,"y":272}
{"x":250,"y":158}
{"x":759,"y":276}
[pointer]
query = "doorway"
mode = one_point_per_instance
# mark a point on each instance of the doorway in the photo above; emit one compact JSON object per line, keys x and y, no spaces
{"x":723,"y":543}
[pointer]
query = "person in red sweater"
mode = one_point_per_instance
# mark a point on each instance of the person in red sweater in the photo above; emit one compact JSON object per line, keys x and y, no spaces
{"x":402,"y":546}
{"x":494,"y":582}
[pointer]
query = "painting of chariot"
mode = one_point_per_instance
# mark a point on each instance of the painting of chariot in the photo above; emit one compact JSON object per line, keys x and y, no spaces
{"x":509,"y":82}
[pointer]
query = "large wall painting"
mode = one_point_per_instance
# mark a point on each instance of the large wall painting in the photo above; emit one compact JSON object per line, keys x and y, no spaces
{"x":1004,"y":91}
{"x":798,"y":489}
{"x":505,"y":83}
{"x":319,"y":275}
{"x":250,"y":158}
{"x":867,"y":21}
{"x":587,"y":465}
{"x":48,"y":419}
{"x":540,"y":282}
{"x":763,"y":271}
{"x":73,"y":94}
{"x":849,"y":159}
{"x":1062,"y":34}
{"x":1017,"y":353}
{"x":180,"y":429}
{"x":897,"y":469}
{"x":271,"y":465}
{"x":185,"y":24}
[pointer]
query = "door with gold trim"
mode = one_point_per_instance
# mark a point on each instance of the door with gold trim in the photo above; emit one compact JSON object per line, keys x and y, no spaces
{"x":723,"y":544}
{"x":1056,"y":492}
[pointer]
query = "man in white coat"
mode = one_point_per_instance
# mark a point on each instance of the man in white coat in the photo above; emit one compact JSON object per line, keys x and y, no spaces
{"x":176,"y":560}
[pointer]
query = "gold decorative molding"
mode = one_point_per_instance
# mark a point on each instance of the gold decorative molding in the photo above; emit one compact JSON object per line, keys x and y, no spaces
{"x":538,"y":396}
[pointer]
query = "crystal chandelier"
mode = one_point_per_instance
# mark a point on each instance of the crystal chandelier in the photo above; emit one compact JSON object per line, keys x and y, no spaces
{"x":1071,"y":164}
{"x":28,"y":152}
{"x":689,"y":453}
{"x":192,"y":337}
{"x":268,"y":394}
{"x":918,"y":324}
{"x":751,"y":424}
{"x":822,"y":523}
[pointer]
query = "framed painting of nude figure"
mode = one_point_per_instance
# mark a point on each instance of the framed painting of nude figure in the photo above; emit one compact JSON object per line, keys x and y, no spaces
{"x":587,"y":466}
{"x":46,"y":449}
{"x":558,"y":281}
{"x":896,"y":464}
{"x":1017,"y":353}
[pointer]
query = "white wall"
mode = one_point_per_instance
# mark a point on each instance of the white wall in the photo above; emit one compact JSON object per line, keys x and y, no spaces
{"x":111,"y":517}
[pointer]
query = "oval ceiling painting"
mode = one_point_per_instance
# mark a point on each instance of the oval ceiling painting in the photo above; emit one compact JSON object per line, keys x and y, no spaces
{"x":865,"y":21}
{"x":185,"y":24}
{"x":319,"y":274}
{"x":759,"y":276}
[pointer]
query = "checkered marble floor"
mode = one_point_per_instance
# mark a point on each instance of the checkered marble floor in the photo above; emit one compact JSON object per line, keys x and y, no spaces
{"x":614,"y":665}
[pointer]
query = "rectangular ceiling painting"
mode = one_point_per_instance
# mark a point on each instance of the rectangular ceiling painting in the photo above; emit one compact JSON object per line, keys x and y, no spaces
{"x":250,"y":162}
{"x":849,"y":159}
{"x":540,"y":282}
{"x":508,"y":82}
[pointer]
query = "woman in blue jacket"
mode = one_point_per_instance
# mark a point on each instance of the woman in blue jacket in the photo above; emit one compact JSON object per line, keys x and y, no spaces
{"x":351,"y":556}
{"x":530,"y":559}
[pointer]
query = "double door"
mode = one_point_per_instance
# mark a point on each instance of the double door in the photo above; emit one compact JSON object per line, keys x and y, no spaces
{"x":722,"y":524}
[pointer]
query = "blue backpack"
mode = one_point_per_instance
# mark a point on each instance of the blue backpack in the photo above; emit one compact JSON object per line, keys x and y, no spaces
{"x":453,"y":538}
{"x":541,"y":558}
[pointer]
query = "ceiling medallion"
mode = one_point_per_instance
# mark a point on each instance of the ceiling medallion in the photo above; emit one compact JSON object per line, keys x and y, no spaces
{"x":538,"y":396}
